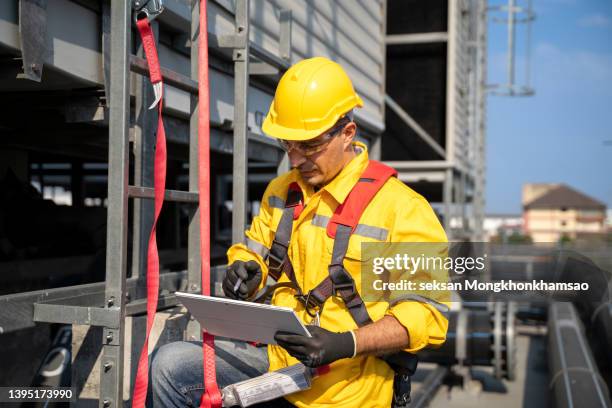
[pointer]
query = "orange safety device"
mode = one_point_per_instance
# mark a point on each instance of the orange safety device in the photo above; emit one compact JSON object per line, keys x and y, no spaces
{"x":310,"y":98}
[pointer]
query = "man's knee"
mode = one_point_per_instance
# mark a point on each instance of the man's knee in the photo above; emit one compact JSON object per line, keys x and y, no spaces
{"x":170,"y":361}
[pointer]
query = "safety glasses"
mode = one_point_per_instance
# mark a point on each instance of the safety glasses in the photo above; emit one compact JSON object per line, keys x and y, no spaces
{"x":314,"y":146}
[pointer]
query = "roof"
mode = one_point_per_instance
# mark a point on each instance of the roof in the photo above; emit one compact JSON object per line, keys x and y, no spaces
{"x":565,"y":196}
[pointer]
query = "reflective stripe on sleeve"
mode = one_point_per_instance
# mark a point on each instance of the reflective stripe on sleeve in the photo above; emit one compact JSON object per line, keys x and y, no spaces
{"x":257,"y":247}
{"x":276,"y":202}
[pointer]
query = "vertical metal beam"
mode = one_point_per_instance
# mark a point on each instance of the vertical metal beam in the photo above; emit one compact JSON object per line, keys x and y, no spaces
{"x":241,"y":87}
{"x":144,"y":154}
{"x":447,"y":197}
{"x":32,"y":37}
{"x":106,"y":28}
{"x":463,"y":202}
{"x":285,"y":53}
{"x":451,"y":81}
{"x":285,"y":19}
{"x":194,"y":275}
{"x":375,"y":152}
{"x":480,"y":125}
{"x":511,"y":22}
{"x":111,"y":379}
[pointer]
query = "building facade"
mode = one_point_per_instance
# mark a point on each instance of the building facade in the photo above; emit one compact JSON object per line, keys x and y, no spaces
{"x":553,"y":212}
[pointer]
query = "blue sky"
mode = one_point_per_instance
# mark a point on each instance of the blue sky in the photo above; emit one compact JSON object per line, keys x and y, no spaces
{"x":557,"y":135}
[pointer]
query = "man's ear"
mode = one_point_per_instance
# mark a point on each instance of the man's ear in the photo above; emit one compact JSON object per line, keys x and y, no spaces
{"x":348,"y":134}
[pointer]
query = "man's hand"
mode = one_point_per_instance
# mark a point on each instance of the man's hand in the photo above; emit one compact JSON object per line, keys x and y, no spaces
{"x":250,"y":275}
{"x":322,"y":348}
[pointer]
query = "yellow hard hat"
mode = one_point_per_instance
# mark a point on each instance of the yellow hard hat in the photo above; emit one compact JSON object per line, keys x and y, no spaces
{"x":310,"y":98}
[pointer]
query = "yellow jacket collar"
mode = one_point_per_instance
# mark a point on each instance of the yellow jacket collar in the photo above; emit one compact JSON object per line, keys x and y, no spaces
{"x":343,"y":183}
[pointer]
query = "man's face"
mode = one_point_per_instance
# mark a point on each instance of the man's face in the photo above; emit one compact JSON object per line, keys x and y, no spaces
{"x":320,"y":168}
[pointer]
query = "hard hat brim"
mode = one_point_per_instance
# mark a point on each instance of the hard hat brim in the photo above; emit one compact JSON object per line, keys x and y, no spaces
{"x":281,"y":132}
{"x":286,"y":133}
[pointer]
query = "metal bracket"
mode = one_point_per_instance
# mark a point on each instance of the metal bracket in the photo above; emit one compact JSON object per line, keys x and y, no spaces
{"x":150,"y":9}
{"x":232,"y":41}
{"x":69,"y":314}
{"x":33,"y":37}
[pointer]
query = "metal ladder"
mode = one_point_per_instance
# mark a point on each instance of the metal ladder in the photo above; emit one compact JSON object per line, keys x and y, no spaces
{"x":111,"y":311}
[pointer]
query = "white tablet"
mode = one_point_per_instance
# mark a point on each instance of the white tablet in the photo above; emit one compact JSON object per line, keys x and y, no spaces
{"x":237,"y":319}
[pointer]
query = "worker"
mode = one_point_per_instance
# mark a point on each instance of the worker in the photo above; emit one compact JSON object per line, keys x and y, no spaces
{"x":312,"y":118}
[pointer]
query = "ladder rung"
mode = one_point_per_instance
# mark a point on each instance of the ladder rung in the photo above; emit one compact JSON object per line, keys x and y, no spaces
{"x":173,"y":78}
{"x":171,"y":195}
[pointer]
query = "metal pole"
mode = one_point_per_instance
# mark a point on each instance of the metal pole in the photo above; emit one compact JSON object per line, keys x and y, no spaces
{"x":481,"y":89}
{"x":285,"y":20}
{"x":111,"y":376}
{"x":413,"y":124}
{"x":447,"y":198}
{"x":241,"y":87}
{"x":511,"y":44}
{"x":194,"y":276}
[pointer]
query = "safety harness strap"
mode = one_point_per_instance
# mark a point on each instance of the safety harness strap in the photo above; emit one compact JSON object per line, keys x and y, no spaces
{"x":211,"y":397}
{"x":277,"y":256}
{"x":340,"y":227}
{"x":343,"y":283}
{"x":159,"y":181}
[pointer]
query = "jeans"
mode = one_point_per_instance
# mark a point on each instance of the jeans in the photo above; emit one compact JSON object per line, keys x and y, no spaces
{"x":177,"y":376}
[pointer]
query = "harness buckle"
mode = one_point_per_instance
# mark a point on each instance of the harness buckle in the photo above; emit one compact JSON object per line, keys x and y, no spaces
{"x":275,"y":265}
{"x":311,"y":303}
{"x":343,"y":286}
{"x":148,"y":9}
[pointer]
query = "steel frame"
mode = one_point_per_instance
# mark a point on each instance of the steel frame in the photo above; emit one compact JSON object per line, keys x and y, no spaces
{"x":107,"y":304}
{"x":457,"y":177}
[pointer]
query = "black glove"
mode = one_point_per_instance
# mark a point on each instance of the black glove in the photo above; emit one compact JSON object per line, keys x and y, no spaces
{"x":322,"y":348}
{"x":249,"y":272}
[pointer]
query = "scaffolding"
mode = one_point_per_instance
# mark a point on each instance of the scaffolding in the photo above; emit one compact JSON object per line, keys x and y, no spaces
{"x":107,"y":304}
{"x":446,"y":163}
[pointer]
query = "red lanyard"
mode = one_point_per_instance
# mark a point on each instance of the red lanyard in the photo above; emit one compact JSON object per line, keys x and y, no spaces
{"x":142,"y":375}
{"x":212,"y":397}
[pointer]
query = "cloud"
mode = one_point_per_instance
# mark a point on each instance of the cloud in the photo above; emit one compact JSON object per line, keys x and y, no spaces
{"x":595,"y":21}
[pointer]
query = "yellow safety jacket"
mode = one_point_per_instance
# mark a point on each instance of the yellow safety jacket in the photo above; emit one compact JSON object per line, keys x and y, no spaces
{"x":395,"y":214}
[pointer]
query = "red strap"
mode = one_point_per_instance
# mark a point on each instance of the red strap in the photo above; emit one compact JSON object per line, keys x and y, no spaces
{"x":349,"y":212}
{"x":322,"y":370}
{"x":295,"y":198}
{"x":142,"y":375}
{"x":211,"y":398}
